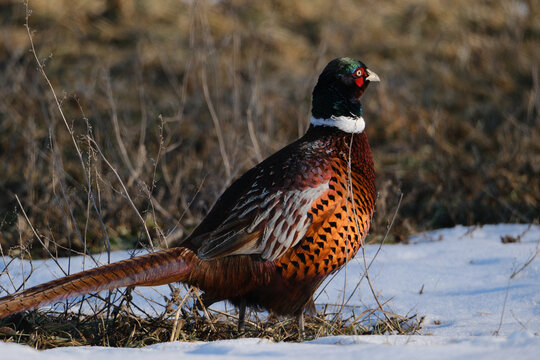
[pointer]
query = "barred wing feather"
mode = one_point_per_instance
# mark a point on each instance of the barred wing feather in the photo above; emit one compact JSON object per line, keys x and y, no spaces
{"x":264,"y":221}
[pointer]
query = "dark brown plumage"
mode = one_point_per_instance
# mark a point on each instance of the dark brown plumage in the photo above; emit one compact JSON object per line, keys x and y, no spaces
{"x":278,"y":231}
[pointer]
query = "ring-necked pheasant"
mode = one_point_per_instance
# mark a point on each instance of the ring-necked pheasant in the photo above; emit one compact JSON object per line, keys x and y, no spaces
{"x":278,"y":231}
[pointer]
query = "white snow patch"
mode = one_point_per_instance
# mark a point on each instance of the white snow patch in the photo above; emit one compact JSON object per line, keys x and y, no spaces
{"x":467,"y":297}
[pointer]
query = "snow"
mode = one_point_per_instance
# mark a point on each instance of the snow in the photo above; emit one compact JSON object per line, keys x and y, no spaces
{"x":459,"y":279}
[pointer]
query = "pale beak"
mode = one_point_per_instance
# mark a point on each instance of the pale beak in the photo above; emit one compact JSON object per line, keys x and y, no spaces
{"x":372,"y":76}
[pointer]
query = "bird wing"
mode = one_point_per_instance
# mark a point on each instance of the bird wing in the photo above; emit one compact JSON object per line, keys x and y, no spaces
{"x":271,"y":215}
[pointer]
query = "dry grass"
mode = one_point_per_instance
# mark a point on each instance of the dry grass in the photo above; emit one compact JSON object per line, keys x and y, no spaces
{"x":167,"y":102}
{"x":123,"y":329}
{"x":454,"y":124}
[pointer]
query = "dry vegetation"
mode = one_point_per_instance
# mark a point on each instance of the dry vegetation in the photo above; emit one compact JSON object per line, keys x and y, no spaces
{"x":123,"y":329}
{"x":174,"y":99}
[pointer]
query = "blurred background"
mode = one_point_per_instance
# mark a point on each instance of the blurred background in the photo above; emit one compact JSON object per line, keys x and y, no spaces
{"x":178,"y":98}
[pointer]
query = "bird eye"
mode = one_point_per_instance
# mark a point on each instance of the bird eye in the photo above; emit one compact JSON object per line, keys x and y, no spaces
{"x":358,"y":72}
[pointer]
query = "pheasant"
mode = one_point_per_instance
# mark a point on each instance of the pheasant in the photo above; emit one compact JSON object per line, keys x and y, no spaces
{"x":278,"y":231}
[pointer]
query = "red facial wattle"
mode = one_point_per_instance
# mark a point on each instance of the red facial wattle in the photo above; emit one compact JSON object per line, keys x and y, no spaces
{"x":359,"y":76}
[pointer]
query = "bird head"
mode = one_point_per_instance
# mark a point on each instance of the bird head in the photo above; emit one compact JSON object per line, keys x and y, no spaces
{"x":339,"y":88}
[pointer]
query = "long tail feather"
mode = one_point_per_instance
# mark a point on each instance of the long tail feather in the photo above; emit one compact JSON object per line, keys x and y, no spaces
{"x":158,"y":268}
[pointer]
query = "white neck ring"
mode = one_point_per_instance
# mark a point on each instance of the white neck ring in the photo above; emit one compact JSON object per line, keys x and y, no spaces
{"x":349,"y":124}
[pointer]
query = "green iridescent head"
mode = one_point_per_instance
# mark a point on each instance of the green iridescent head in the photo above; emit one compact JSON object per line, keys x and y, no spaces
{"x":339,"y":88}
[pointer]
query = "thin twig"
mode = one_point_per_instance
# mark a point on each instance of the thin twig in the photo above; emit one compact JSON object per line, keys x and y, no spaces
{"x":235,"y":317}
{"x":175,"y":328}
{"x":126,"y":193}
{"x":525,"y":265}
{"x":116,"y":127}
{"x":39,"y":237}
{"x":514,"y":274}
{"x":6,"y":270}
{"x":496,"y":332}
{"x":196,"y":292}
{"x":217,"y":125}
{"x":368,"y":266}
{"x":59,"y":168}
{"x":366,"y":273}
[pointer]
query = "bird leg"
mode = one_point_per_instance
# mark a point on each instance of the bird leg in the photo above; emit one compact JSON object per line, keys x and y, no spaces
{"x":300,"y":319}
{"x":241,"y":316}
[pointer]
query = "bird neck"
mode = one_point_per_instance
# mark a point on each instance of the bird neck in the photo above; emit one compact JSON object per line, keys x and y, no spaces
{"x":329,"y":102}
{"x":353,"y":147}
